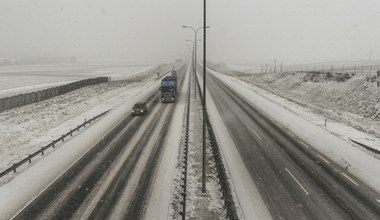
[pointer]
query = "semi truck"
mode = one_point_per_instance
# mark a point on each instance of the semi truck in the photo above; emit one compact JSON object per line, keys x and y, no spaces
{"x":168,"y":88}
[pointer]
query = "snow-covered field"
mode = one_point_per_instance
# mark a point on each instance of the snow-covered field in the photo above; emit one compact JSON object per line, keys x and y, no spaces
{"x":21,"y":79}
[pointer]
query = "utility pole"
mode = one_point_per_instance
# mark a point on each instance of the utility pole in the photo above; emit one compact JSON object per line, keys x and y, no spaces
{"x":281,"y":68}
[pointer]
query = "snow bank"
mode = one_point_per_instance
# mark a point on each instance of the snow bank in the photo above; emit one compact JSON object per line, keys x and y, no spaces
{"x":354,"y":102}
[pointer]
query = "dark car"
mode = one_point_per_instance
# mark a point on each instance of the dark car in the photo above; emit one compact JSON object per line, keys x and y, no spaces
{"x":139,"y":109}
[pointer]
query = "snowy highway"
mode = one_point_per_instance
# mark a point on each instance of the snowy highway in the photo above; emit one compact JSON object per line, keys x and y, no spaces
{"x":190,"y":110}
{"x":127,"y":167}
{"x":294,"y":180}
{"x":113,"y":179}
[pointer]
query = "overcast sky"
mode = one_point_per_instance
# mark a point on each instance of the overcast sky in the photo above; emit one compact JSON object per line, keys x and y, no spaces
{"x":242,"y":31}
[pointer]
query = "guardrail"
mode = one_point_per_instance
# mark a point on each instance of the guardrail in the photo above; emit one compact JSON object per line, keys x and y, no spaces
{"x":229,"y":202}
{"x":183,"y":177}
{"x":366,"y":147}
{"x":52,"y":144}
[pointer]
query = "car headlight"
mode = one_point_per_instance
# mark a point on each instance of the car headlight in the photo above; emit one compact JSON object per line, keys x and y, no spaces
{"x":142,"y":111}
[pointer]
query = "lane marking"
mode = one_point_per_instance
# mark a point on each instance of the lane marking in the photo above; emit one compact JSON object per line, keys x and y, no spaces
{"x":307,"y":193}
{"x":320,"y":156}
{"x":305,"y":144}
{"x":345,"y":175}
{"x":256,"y":134}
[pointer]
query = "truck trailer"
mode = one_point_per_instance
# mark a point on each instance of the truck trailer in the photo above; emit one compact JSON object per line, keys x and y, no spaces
{"x":168,"y":89}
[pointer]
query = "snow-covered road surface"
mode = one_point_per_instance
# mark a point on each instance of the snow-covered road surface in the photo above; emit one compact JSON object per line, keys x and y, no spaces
{"x":45,"y":171}
{"x":26,"y":129}
{"x":288,"y":174}
{"x":330,"y":148}
{"x":359,"y":163}
{"x":249,"y":201}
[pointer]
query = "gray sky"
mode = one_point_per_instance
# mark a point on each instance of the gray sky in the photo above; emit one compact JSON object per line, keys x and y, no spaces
{"x":242,"y":31}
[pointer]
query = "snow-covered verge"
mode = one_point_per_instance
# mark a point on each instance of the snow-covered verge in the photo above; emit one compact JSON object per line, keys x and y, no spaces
{"x":354,"y":102}
{"x":299,"y":121}
{"x":26,"y":129}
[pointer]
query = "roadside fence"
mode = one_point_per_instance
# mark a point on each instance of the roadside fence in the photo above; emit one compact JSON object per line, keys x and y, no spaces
{"x":51,"y":145}
{"x":37,"y":96}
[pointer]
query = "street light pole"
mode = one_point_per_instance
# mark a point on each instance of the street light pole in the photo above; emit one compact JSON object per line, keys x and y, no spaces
{"x":195,"y":52}
{"x":193,"y":56}
{"x":204,"y":90}
{"x":204,"y":100}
